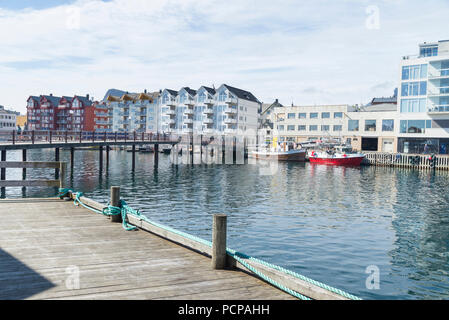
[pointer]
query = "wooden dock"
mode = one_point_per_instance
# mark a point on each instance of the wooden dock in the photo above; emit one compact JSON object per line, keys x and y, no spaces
{"x":45,"y":243}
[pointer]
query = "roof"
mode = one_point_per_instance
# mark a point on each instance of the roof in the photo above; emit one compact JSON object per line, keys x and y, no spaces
{"x":85,"y":100}
{"x":267,"y":106}
{"x":53,"y":99}
{"x":113,"y":92}
{"x":190,"y":91}
{"x":210,"y":90}
{"x":242,"y":94}
{"x":384,"y":100}
{"x":172,"y":92}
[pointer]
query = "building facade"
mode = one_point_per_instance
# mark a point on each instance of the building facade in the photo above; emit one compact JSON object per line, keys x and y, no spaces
{"x":51,"y":113}
{"x":368,"y":128}
{"x":131,"y":112}
{"x":7,"y":119}
{"x":223,"y":111}
{"x":424,"y":100}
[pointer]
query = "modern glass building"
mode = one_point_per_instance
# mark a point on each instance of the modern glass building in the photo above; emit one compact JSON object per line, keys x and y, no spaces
{"x":424,"y":100}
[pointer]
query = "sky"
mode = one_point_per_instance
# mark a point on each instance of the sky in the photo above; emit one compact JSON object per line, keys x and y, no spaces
{"x":301,"y":52}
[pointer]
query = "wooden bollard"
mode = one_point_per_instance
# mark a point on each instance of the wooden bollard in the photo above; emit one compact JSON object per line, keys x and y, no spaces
{"x":219,"y":242}
{"x":115,"y":201}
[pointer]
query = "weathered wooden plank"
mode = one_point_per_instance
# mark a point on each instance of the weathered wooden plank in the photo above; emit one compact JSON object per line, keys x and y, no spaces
{"x":112,"y":263}
{"x":192,"y":244}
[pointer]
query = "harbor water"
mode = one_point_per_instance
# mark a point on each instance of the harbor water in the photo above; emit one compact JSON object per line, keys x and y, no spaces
{"x":333,"y":224}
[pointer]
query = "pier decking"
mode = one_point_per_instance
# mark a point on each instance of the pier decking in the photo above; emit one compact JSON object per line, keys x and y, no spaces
{"x":45,"y":243}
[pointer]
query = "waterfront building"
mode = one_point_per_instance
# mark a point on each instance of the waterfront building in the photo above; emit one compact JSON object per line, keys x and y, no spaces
{"x":424,"y":100}
{"x":7,"y":119}
{"x":48,"y":112}
{"x":130,"y":112}
{"x":21,"y":122}
{"x":223,"y":111}
{"x":366,"y":128}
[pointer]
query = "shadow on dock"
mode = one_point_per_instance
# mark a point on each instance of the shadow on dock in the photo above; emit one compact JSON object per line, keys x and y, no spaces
{"x":18,"y":281}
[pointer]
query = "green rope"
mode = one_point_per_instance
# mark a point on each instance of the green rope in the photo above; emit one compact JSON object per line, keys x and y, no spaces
{"x":125,"y":209}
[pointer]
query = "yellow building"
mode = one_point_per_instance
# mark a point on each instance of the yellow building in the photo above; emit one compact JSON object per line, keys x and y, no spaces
{"x":21,"y":121}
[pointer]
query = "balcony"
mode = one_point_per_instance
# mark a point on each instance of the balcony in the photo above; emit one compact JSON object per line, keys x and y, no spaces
{"x":230,"y":110}
{"x":187,"y":130}
{"x":170,"y":112}
{"x":188,"y":111}
{"x":441,"y":91}
{"x":439,"y":74}
{"x":189,"y":121}
{"x":208,"y":130}
{"x":230,"y":131}
{"x":171,"y":103}
{"x":208,"y":121}
{"x":230,"y":120}
{"x":208,"y":111}
{"x":231,"y":101}
{"x":189,"y":102}
{"x":169,"y":121}
{"x":209,"y":102}
{"x":438,"y":109}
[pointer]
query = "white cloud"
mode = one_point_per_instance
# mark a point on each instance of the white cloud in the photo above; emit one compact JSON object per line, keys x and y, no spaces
{"x":282,"y":49}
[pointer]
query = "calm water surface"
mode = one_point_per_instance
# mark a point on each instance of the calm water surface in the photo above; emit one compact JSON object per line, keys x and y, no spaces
{"x":328,"y":223}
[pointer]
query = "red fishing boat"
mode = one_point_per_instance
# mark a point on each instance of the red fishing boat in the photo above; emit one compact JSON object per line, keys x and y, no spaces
{"x":340,"y":156}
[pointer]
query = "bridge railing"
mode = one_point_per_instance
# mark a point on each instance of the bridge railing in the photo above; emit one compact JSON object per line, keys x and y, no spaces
{"x":40,"y":136}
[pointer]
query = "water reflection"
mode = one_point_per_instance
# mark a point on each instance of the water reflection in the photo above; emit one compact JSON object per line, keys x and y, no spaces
{"x":329,"y":223}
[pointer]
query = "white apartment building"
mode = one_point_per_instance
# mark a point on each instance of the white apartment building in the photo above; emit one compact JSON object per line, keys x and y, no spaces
{"x":7,"y":119}
{"x":424,"y":100}
{"x":131,"y":112}
{"x":222,"y":111}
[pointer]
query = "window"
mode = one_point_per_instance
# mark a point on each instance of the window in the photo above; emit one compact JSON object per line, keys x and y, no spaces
{"x":291,"y":116}
{"x":414,"y":88}
{"x":301,"y":128}
{"x":325,"y":115}
{"x":281,"y":128}
{"x":338,"y":127}
{"x":290,"y":128}
{"x":313,"y":115}
{"x":414,"y":72}
{"x":302,"y":115}
{"x":415,"y":126}
{"x":353,"y":125}
{"x":338,"y":115}
{"x":324,"y":128}
{"x":370,"y":125}
{"x":313,"y":128}
{"x":388,"y":125}
{"x":429,"y":51}
{"x":413,"y":105}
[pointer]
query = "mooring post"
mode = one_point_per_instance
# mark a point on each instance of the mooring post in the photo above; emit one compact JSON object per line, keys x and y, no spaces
{"x":156,"y":155}
{"x":115,"y":202}
{"x":24,"y":158}
{"x":219,"y":241}
{"x":134,"y":157}
{"x":32,"y":137}
{"x":56,"y":159}
{"x":101,"y":160}
{"x":3,"y":170}
{"x":72,"y":158}
{"x":107,"y":157}
{"x":62,"y":174}
{"x":14,"y":137}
